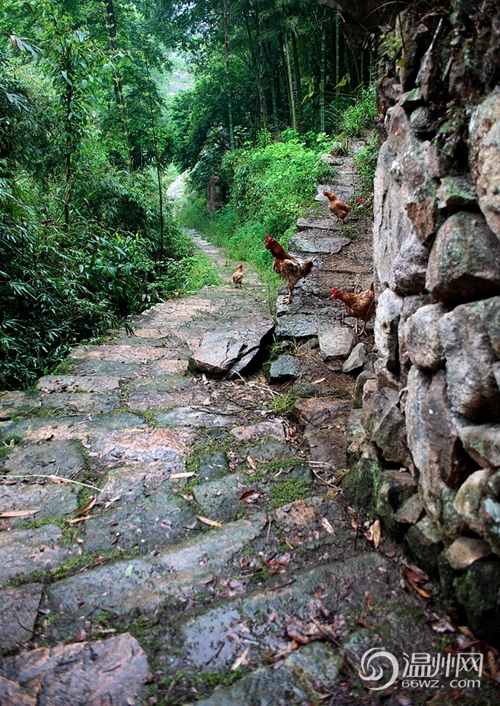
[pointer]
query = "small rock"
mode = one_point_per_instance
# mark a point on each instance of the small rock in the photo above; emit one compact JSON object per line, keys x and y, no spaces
{"x":464,"y":263}
{"x":411,"y":511}
{"x":425,"y":544}
{"x":468,"y":499}
{"x":335,"y":342}
{"x":284,"y":368}
{"x":465,"y":551}
{"x":356,"y":360}
{"x":482,"y":443}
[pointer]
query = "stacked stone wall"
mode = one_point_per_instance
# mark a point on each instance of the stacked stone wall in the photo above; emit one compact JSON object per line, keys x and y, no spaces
{"x":430,"y":460}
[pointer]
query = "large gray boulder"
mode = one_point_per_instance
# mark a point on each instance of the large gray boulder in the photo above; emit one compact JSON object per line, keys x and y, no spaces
{"x":436,"y":495}
{"x":389,"y":308}
{"x":472,"y":388}
{"x":484,"y":157}
{"x":464,"y":263}
{"x":422,"y":337}
{"x":448,"y":457}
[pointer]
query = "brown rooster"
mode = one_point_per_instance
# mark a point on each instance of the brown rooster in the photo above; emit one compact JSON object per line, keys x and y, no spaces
{"x":336,"y":206}
{"x":361,"y":306}
{"x":237,"y":278}
{"x":287,"y":266}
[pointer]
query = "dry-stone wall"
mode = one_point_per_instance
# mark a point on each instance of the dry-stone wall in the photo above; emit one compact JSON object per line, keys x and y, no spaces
{"x":430,"y":460}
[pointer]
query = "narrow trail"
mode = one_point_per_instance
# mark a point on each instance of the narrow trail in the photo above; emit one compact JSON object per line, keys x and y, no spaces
{"x":178,"y":533}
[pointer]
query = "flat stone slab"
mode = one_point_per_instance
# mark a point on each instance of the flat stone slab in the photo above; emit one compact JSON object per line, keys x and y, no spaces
{"x":63,"y":428}
{"x":317,"y":410}
{"x":78,"y":383}
{"x":219,"y":499}
{"x":123,"y":353}
{"x":93,"y":366}
{"x":148,"y":524}
{"x":131,"y":483}
{"x":145,"y":583}
{"x":298,"y":325}
{"x":307,"y":241}
{"x":273,"y":430}
{"x":60,"y":458}
{"x":335,"y":342}
{"x":293,"y":682}
{"x":140,"y":445}
{"x":48,"y":500}
{"x":80,"y":403}
{"x":113,"y":671}
{"x":24,"y":552}
{"x":319,"y":223}
{"x":189,"y":417}
{"x":169,"y":367}
{"x":18,"y":611}
{"x":214,"y":636}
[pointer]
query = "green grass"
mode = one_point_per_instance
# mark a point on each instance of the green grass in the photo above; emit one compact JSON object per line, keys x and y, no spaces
{"x":289,"y":491}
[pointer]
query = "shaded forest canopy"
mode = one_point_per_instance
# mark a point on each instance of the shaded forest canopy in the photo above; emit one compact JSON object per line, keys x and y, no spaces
{"x":91,"y":136}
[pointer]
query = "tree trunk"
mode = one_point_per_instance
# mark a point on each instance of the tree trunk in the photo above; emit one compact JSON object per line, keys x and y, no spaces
{"x":261,"y":79}
{"x":228,"y":79}
{"x":322,"y":78}
{"x":157,"y":159}
{"x":290,"y":85}
{"x":296,"y":67}
{"x":120,"y":101}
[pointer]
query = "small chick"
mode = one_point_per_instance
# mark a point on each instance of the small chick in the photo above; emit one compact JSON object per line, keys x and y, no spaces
{"x":237,"y":278}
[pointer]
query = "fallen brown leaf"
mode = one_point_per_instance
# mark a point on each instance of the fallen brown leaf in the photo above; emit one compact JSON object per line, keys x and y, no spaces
{"x":420,"y":590}
{"x":326,"y":524}
{"x":242,"y":659}
{"x":81,"y":519}
{"x":206,"y":521}
{"x":441,"y":624}
{"x":86,"y":507}
{"x":251,"y":463}
{"x":251,"y":496}
{"x":18,"y":513}
{"x":364,"y":624}
{"x":370,"y":600}
{"x":113,"y":500}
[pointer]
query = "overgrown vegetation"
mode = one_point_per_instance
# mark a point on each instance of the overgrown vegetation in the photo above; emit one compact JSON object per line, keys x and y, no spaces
{"x":86,"y":237}
{"x":89,"y":133}
{"x":272,"y":184}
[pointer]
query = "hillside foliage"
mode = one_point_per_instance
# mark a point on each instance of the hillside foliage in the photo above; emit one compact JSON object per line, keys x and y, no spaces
{"x":90,"y":130}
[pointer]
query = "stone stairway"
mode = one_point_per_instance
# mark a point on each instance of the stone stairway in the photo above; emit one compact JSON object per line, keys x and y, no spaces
{"x":167,"y":537}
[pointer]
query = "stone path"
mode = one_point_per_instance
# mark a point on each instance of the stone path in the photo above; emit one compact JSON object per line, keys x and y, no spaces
{"x":167,"y":537}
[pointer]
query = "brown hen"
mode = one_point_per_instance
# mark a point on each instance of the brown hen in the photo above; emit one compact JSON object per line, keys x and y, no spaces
{"x":361,"y":306}
{"x":291,"y":269}
{"x":336,"y":206}
{"x":237,"y":278}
